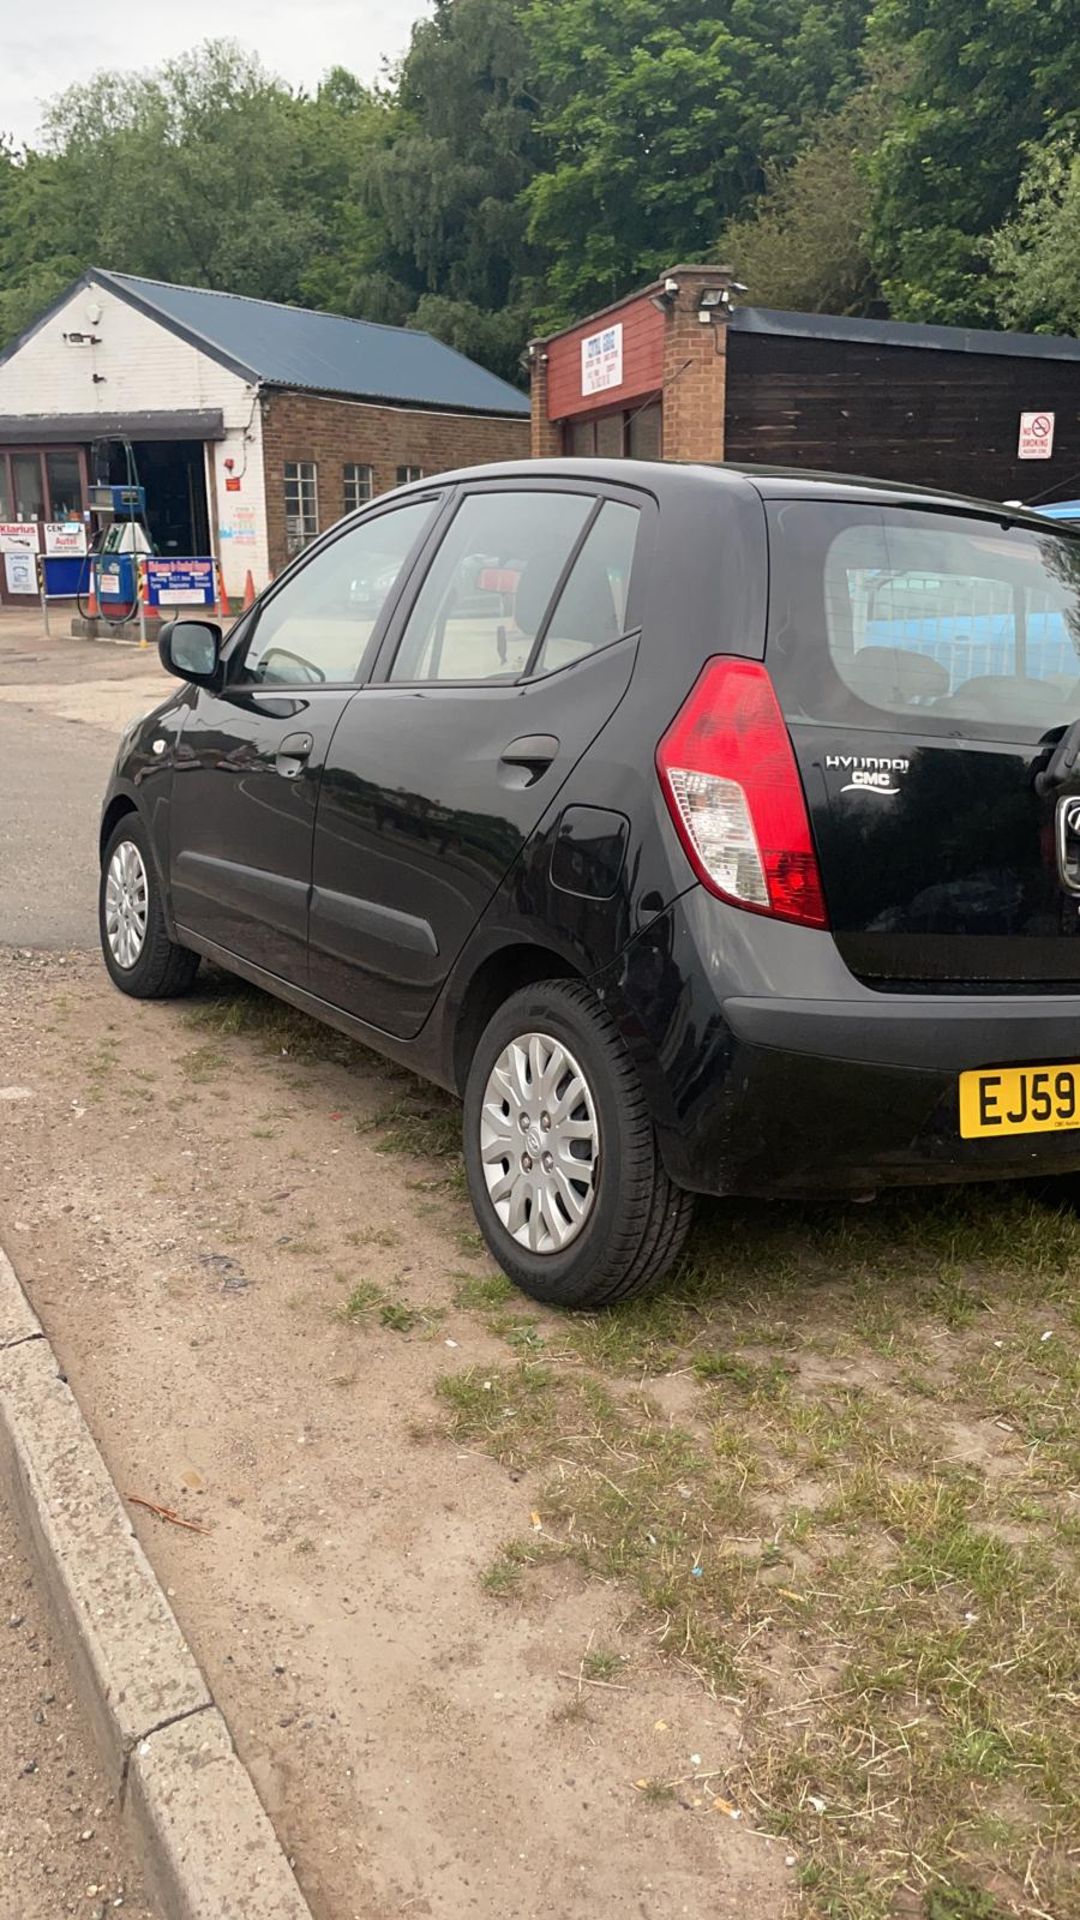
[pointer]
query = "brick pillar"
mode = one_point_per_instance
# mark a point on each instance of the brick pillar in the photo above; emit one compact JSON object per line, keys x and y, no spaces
{"x":695,"y":366}
{"x":546,"y":433}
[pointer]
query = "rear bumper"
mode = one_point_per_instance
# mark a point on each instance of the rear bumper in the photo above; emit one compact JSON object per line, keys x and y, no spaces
{"x":834,"y":1089}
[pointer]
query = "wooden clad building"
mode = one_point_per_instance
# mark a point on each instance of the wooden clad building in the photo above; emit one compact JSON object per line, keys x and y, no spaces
{"x":682,"y":371}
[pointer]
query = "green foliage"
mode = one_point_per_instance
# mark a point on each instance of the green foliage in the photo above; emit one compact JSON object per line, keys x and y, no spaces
{"x":984,"y":82}
{"x":1035,"y":256}
{"x":660,"y":116}
{"x":530,"y":160}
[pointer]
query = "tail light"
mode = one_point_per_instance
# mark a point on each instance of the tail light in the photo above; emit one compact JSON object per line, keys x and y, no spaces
{"x":728,"y":771}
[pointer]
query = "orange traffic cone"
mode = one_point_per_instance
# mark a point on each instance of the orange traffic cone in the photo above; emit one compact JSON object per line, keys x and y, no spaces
{"x":222,"y":608}
{"x":249,"y":590}
{"x":91,"y":598}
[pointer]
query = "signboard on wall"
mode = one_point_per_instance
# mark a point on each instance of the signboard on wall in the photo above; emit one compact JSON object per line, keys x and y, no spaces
{"x":66,"y":538}
{"x":20,"y":572}
{"x":602,"y":360}
{"x":1036,"y":436}
{"x":19,"y":536}
{"x":180,"y":583}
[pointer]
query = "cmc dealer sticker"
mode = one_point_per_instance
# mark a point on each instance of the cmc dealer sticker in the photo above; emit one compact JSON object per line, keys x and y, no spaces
{"x":867,"y":773}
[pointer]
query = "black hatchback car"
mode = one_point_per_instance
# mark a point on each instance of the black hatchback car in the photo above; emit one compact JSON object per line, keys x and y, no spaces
{"x":708,"y":831}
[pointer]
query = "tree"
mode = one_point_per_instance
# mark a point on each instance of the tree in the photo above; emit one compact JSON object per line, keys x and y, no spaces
{"x":662,"y":116}
{"x":1035,"y":256}
{"x":804,"y":244}
{"x":444,"y":187}
{"x":985,"y":81}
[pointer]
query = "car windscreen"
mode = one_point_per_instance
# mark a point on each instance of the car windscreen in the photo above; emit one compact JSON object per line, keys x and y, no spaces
{"x":939,"y":621}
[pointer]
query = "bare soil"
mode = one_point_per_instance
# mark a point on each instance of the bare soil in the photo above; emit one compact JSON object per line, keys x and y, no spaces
{"x":62,"y":1848}
{"x":190,"y":1212}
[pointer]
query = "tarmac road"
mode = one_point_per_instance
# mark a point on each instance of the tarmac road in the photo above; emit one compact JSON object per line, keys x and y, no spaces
{"x":63,"y":705}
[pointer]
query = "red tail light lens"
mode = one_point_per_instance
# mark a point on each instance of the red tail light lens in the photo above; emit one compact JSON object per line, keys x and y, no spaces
{"x":731,"y":783}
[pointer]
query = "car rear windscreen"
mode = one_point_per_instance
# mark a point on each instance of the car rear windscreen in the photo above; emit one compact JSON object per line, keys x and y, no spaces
{"x":952,"y":622}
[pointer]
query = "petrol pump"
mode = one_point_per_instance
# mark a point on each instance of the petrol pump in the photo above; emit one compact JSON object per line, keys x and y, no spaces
{"x":120,"y":537}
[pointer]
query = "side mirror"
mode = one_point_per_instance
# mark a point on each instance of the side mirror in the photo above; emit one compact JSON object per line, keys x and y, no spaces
{"x":192,"y":650}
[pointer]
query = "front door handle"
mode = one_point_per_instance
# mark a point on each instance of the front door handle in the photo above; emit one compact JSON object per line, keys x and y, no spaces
{"x":529,"y":756}
{"x":293,"y":754}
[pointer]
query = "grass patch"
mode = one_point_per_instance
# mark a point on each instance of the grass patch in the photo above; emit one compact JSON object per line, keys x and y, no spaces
{"x":868,"y":1537}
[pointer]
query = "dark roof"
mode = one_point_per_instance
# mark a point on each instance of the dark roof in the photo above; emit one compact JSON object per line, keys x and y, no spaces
{"x":321,"y":352}
{"x":904,"y":333}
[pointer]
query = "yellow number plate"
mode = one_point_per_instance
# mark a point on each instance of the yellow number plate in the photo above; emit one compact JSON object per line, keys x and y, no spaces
{"x":1019,"y":1100}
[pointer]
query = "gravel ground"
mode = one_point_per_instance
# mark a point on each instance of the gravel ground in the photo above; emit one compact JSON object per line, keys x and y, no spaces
{"x":62,"y":1849}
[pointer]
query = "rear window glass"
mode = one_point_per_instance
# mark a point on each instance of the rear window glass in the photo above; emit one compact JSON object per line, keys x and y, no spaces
{"x":887,"y":612}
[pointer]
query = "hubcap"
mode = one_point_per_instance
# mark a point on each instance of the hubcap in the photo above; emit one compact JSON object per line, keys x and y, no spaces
{"x":540,"y":1143}
{"x":126,"y":901}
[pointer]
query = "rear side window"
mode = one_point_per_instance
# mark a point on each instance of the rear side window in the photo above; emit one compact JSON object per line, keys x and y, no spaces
{"x":882,"y":612}
{"x":489,"y":586}
{"x":591,"y":610}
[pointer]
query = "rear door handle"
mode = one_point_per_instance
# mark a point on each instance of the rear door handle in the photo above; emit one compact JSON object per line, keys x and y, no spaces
{"x":531,"y":755}
{"x":293,"y":754}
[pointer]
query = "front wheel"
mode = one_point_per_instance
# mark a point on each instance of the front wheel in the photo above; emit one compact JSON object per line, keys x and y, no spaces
{"x":560,"y":1153}
{"x":135,"y":943}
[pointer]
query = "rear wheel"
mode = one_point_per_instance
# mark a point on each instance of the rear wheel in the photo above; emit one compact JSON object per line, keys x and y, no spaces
{"x":135,"y":944}
{"x":560,"y":1154}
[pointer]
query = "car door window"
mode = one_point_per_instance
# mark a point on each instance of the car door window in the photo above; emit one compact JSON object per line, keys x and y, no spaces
{"x":491,"y":582}
{"x":316,"y":628}
{"x":591,"y":609}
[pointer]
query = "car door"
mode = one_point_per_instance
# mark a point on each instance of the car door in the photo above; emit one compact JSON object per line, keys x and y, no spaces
{"x":516,"y":649}
{"x":249,"y":757}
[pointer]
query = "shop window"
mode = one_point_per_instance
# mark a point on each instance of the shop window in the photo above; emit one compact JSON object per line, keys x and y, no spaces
{"x":610,"y":429}
{"x":6,"y":508}
{"x":64,"y":479}
{"x":635,"y":434}
{"x":644,"y":431}
{"x":29,"y":492}
{"x":359,"y":485}
{"x":301,"y":504}
{"x":407,"y":474}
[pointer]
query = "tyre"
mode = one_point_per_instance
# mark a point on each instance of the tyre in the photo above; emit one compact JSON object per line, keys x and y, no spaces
{"x":560,"y":1154}
{"x":137,"y":950}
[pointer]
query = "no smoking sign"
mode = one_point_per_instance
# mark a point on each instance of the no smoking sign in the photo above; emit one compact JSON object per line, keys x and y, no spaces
{"x":1036,"y":436}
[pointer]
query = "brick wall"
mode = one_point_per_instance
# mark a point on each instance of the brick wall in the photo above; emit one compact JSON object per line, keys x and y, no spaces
{"x":305,"y":426}
{"x":695,"y":370}
{"x":546,"y":432}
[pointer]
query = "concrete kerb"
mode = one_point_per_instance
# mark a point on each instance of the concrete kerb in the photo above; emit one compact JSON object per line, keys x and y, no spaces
{"x":207,"y":1844}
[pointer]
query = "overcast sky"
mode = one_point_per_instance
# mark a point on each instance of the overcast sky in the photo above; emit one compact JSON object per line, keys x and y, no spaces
{"x":43,"y":49}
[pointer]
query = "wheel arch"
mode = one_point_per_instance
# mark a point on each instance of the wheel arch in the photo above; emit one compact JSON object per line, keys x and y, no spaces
{"x":119,"y":805}
{"x":500,"y":974}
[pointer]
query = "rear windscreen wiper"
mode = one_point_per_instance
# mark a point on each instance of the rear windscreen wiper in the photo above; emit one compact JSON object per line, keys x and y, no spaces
{"x":1061,"y":767}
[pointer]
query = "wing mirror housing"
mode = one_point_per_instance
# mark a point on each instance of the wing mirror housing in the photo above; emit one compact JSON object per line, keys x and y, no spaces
{"x":191,"y":649}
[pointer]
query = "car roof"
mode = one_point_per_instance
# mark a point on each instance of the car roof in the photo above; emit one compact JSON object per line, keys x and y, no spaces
{"x":664,"y":478}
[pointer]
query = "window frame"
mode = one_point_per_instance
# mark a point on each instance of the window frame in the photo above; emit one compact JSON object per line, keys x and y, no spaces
{"x":598,"y":490}
{"x":243,"y":633}
{"x":314,"y":465}
{"x":349,"y":469}
{"x":409,"y":475}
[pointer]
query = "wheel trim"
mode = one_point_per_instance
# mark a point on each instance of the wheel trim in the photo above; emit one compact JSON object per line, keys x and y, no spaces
{"x":540,"y":1143}
{"x":127,"y":903}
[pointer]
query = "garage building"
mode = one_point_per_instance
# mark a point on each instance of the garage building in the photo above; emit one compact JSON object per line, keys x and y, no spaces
{"x":252,"y":426}
{"x":681,"y":370}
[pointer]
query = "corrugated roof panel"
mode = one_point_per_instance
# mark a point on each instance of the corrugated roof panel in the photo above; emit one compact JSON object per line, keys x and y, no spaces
{"x":326,"y":352}
{"x":903,"y":333}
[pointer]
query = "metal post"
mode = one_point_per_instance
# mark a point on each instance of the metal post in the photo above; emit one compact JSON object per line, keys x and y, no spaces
{"x":44,"y":595}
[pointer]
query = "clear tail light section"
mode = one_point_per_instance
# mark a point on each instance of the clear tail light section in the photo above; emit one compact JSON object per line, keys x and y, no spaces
{"x":731,"y":782}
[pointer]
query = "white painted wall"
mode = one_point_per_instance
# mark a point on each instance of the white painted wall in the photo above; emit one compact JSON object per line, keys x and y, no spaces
{"x":148,"y":369}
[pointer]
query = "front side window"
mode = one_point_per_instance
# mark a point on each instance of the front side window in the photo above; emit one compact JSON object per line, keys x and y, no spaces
{"x":941,"y":617}
{"x":405,"y":475}
{"x":359,"y":485}
{"x":301,"y":504}
{"x":316,"y":628}
{"x":490,"y":585}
